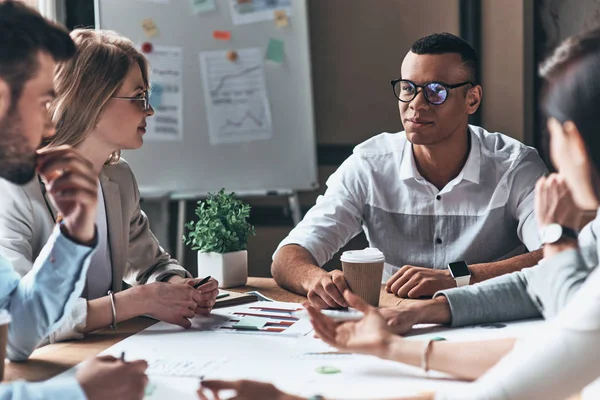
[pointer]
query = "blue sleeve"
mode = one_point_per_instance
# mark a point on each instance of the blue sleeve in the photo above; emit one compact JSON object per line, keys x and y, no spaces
{"x":63,"y":389}
{"x":39,"y":301}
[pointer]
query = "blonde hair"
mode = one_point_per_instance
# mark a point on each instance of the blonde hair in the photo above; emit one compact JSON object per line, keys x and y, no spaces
{"x":86,"y":82}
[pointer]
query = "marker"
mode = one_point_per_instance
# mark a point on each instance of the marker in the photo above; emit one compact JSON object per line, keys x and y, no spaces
{"x":202,"y":282}
{"x":122,"y":356}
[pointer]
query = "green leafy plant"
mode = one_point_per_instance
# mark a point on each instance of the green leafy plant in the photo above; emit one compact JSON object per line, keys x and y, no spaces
{"x":222,"y":225}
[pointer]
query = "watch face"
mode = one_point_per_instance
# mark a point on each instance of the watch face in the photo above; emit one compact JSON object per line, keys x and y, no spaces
{"x":552,"y":233}
{"x":458,"y":269}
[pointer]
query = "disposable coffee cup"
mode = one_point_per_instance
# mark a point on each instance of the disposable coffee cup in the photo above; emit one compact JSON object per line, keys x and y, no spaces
{"x":4,"y":322}
{"x":363,"y":270}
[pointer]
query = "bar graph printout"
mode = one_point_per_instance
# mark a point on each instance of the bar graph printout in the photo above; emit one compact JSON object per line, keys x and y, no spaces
{"x":235,"y":95}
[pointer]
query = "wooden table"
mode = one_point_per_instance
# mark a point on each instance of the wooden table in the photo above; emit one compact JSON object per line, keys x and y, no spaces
{"x":53,"y":359}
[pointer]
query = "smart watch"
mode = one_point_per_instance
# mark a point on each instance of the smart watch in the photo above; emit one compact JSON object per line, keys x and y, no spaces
{"x":460,"y":272}
{"x":552,"y":233}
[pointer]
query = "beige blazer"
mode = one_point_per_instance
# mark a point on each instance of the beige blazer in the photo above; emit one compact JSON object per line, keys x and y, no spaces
{"x":27,"y":218}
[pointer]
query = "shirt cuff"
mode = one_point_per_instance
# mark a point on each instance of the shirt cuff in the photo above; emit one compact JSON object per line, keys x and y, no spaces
{"x":73,"y":324}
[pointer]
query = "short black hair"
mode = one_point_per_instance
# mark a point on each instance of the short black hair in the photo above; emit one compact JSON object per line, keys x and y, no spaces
{"x":572,"y":90}
{"x":443,"y":43}
{"x":23,"y":33}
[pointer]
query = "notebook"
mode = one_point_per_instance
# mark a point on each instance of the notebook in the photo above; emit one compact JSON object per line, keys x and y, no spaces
{"x":227,"y":298}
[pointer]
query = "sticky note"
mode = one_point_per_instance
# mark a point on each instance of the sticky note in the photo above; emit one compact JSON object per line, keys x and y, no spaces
{"x":251,"y":323}
{"x":156,"y":95}
{"x":149,"y":27}
{"x":281,"y":19}
{"x":438,"y":339}
{"x":328,"y":370}
{"x":222,"y":35}
{"x":202,"y":6}
{"x":149,"y":389}
{"x":275,"y":51}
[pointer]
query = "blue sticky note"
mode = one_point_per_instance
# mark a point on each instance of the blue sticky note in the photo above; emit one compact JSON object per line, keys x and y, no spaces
{"x":156,"y":95}
{"x":202,"y":6}
{"x":251,"y":323}
{"x":275,"y":51}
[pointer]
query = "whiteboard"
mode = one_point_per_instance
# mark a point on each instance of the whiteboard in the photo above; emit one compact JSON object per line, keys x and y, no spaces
{"x":192,"y":166}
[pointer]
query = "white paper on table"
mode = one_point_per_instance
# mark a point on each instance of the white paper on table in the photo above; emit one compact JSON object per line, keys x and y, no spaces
{"x":235,"y":95}
{"x":258,"y":10}
{"x":166,"y":70}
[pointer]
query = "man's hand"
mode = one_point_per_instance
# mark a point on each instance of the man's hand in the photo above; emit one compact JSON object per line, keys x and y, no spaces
{"x":109,"y":378}
{"x":208,"y":292}
{"x":72,"y":187}
{"x":414,"y":282}
{"x":244,"y":390}
{"x":325,"y":291}
{"x":370,"y":335}
{"x":554,"y":203}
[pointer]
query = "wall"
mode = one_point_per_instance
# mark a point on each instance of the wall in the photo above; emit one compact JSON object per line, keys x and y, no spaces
{"x":507,"y":76}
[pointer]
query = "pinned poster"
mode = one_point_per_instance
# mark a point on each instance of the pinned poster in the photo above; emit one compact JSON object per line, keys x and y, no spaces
{"x":202,"y":6}
{"x":275,"y":51}
{"x":250,"y":11}
{"x":149,"y":27}
{"x":166,"y":96}
{"x":235,"y":95}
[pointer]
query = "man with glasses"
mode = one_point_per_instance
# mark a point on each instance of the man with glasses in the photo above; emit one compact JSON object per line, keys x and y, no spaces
{"x":448,"y":203}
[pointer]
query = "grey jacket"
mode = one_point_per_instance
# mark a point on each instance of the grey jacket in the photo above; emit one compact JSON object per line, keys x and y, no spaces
{"x":542,"y":290}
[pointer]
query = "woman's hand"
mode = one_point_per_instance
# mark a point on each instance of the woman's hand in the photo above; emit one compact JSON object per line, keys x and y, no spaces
{"x":370,"y":335}
{"x":171,"y":302}
{"x":208,"y":292}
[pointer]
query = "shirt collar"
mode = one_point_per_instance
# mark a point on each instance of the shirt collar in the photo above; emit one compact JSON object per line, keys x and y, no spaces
{"x":470,"y":172}
{"x":472,"y":168}
{"x":408,"y":167}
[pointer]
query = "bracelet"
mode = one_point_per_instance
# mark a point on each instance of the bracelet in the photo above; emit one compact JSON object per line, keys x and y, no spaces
{"x":425,"y":355}
{"x":113,"y":326}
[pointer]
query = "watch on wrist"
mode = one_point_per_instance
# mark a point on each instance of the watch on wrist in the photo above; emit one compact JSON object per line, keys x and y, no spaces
{"x":460,"y":272}
{"x":552,"y":233}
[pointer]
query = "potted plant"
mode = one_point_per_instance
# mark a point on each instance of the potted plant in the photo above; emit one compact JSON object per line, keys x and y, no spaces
{"x":220,"y":236}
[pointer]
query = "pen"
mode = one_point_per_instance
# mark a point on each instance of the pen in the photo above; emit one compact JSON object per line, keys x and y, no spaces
{"x":122,"y":356}
{"x":202,"y":282}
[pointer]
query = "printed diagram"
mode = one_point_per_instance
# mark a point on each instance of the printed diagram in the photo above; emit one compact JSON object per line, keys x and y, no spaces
{"x":235,"y":97}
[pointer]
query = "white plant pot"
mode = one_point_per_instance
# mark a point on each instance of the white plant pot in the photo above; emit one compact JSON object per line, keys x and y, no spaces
{"x":229,"y":269}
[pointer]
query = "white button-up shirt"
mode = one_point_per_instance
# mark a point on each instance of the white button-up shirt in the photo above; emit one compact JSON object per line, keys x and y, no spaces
{"x":485,"y":214}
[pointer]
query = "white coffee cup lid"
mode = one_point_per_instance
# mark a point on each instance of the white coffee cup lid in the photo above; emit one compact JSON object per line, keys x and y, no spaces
{"x":5,"y":317}
{"x":370,"y":254}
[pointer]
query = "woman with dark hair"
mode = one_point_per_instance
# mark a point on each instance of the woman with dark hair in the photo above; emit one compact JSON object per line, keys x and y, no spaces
{"x":565,"y":356}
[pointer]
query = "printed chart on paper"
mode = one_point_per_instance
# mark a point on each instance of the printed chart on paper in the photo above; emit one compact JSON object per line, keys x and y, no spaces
{"x":235,"y":95}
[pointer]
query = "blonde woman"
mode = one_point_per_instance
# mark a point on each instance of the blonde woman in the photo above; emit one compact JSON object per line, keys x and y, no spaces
{"x":100,"y":108}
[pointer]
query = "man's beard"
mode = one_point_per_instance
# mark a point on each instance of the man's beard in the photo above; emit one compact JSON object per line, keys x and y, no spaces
{"x":17,"y":158}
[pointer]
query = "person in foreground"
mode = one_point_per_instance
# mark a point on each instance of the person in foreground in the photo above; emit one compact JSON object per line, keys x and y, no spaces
{"x":29,"y":48}
{"x":566,"y":358}
{"x":100,"y":108}
{"x":440,"y":192}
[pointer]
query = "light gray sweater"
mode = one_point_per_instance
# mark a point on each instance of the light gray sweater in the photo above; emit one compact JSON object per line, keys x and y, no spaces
{"x":542,"y":290}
